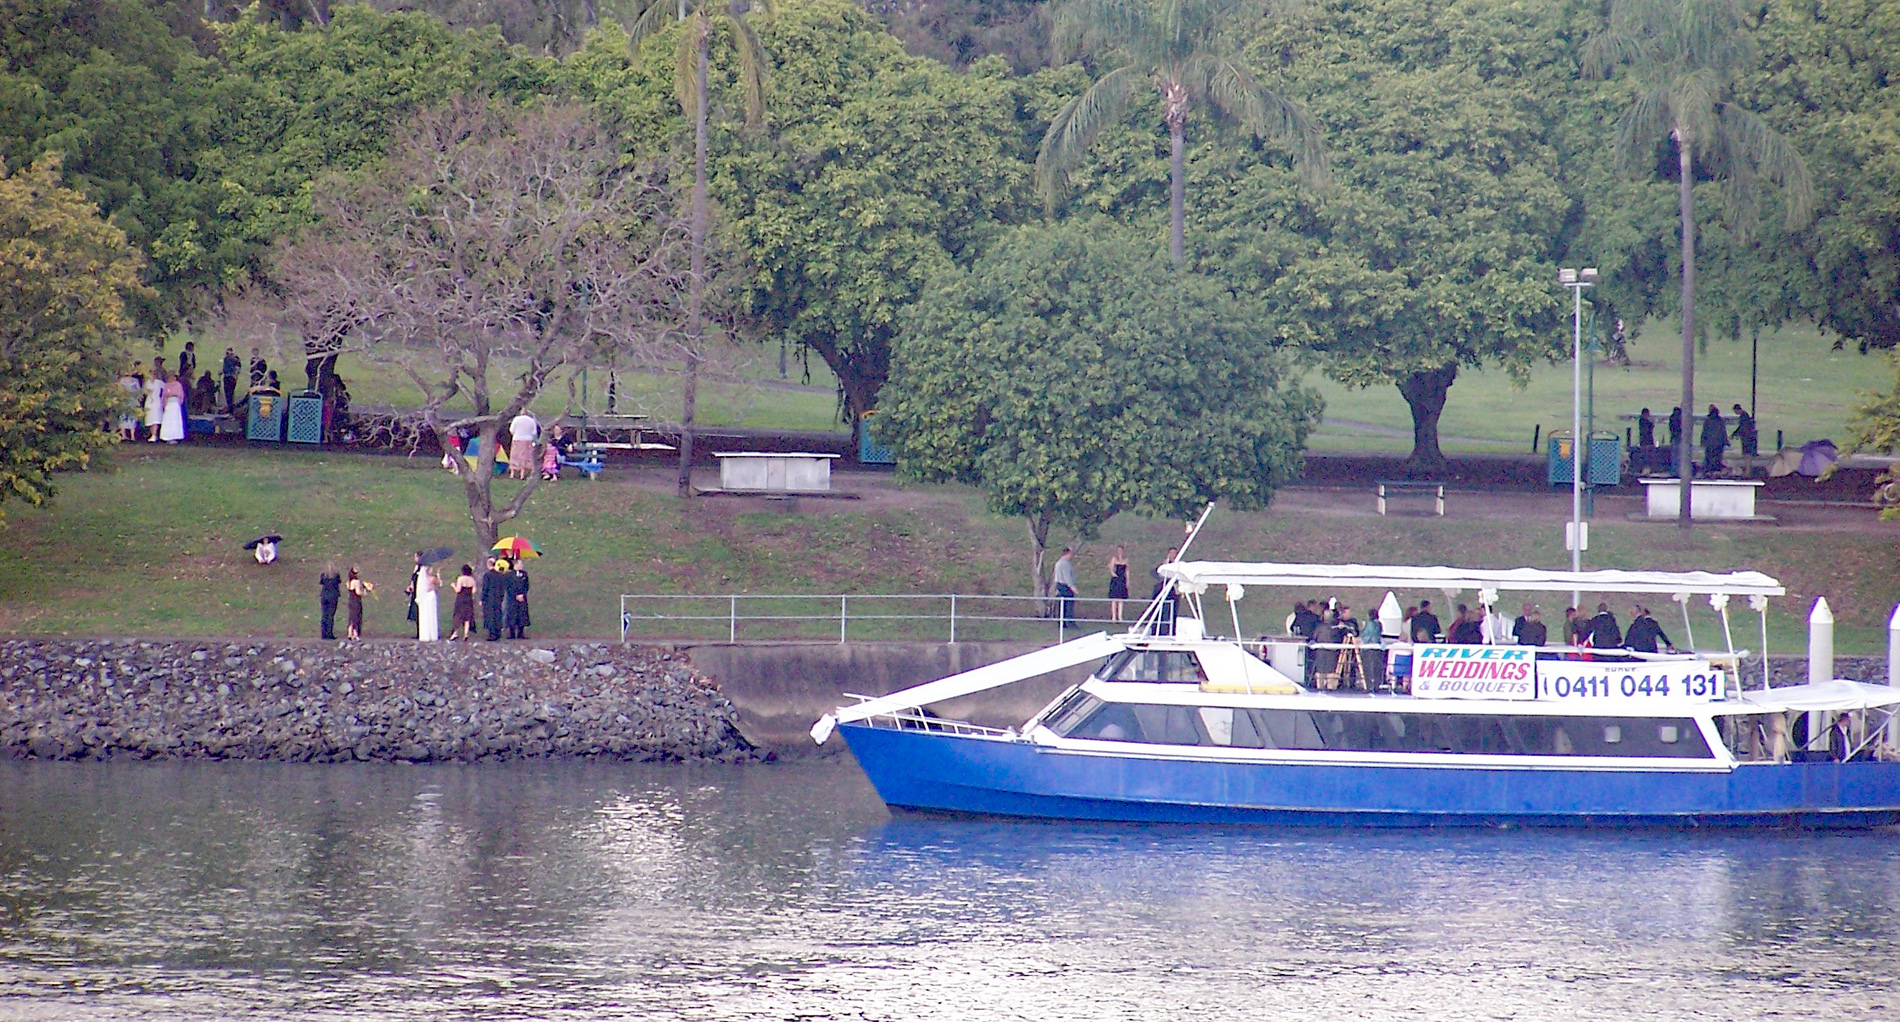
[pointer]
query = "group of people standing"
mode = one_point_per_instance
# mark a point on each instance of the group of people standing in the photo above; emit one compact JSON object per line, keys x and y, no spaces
{"x":1344,"y":653}
{"x":167,"y":396}
{"x":1715,"y":435}
{"x":502,"y":591}
{"x":524,"y":452}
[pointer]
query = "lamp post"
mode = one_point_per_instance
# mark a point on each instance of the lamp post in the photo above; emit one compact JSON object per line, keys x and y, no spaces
{"x":1576,"y":281}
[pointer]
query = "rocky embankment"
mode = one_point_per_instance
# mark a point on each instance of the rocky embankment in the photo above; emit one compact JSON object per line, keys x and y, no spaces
{"x":334,"y":702}
{"x":1789,"y":669}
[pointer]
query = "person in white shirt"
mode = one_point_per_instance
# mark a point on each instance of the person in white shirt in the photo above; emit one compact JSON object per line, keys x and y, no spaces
{"x":1064,"y":579}
{"x":523,"y":431}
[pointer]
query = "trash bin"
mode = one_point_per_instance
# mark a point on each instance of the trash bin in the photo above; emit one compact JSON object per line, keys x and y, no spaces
{"x":870,"y":451}
{"x":306,"y":418}
{"x":266,"y":418}
{"x":1603,"y":466}
{"x":1557,"y":462}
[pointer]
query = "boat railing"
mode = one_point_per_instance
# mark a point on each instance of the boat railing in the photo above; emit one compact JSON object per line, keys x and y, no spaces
{"x":918,"y":719}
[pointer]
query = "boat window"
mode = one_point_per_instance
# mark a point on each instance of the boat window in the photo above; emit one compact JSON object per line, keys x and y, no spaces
{"x":1170,"y":725}
{"x":1368,"y":731}
{"x":1111,"y":722}
{"x":1755,"y":738}
{"x":1230,"y":727}
{"x":1154,"y":665}
{"x":1073,"y":710}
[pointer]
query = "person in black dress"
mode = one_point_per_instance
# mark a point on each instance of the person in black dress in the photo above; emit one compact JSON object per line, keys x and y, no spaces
{"x":463,"y":623}
{"x":494,"y":599}
{"x":1117,"y":583}
{"x":518,"y":603}
{"x":356,"y":587}
{"x":329,"y":592}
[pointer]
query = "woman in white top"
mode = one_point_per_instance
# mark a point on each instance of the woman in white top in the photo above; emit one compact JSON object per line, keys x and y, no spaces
{"x":154,"y":404}
{"x":428,"y":620}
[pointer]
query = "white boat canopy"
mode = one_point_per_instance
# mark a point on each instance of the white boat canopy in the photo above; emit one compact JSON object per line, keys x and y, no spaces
{"x":1197,"y":576}
{"x":1838,"y":696}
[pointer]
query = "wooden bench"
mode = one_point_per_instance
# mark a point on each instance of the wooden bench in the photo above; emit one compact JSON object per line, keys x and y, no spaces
{"x":1395,"y":488}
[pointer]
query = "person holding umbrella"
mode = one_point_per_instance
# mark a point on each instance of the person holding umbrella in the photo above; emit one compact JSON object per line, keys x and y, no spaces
{"x":264,"y":548}
{"x":494,"y":597}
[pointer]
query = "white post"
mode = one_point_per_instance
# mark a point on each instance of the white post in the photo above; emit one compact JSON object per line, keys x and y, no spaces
{"x":1391,"y":617}
{"x":1893,"y":669}
{"x":1893,"y":647}
{"x":1820,"y":660}
{"x":1820,"y":642}
{"x":953,"y":618}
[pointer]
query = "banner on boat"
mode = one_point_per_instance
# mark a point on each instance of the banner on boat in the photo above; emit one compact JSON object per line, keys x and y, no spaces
{"x":1514,"y":672}
{"x":1586,"y":681}
{"x":1474,"y":672}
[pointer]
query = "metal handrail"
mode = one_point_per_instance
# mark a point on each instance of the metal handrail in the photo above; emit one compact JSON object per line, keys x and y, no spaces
{"x":955,"y":610}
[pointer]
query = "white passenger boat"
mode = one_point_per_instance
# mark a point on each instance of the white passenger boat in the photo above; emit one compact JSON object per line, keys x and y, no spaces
{"x":1195,"y":727}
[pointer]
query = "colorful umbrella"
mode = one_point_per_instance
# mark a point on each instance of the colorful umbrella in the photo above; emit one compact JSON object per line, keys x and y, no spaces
{"x":516,"y":546}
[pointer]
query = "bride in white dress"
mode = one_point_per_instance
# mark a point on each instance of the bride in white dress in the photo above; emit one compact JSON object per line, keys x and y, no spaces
{"x":428,"y":619}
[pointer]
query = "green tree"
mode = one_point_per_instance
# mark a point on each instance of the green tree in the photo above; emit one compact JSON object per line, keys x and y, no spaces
{"x":1181,"y":49}
{"x":871,"y":172}
{"x":65,"y":277}
{"x":292,"y":106}
{"x":689,"y":86}
{"x":1829,"y":80}
{"x":107,"y":86}
{"x":1685,"y":56}
{"x":1434,"y":250}
{"x":1072,"y":374}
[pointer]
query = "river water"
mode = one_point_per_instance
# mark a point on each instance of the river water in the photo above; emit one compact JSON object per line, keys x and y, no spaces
{"x":785,"y":891}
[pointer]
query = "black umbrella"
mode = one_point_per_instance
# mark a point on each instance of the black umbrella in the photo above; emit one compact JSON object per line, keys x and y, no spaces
{"x":269,"y":538}
{"x":437,"y":556}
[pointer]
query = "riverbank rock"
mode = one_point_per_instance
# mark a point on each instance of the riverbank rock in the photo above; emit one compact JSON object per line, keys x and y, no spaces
{"x":346,"y":701}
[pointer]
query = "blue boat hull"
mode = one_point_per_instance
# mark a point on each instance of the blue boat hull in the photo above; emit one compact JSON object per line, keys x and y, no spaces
{"x":943,"y":772}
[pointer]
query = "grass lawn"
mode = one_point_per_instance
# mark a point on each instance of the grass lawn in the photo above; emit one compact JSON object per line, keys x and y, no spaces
{"x":1805,"y":389}
{"x":150,"y":545}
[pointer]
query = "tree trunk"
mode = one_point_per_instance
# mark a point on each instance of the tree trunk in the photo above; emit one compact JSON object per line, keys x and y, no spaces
{"x":1038,"y":543}
{"x":695,"y":283}
{"x":1425,"y":392}
{"x":477,"y":483}
{"x":1685,"y":471}
{"x":1174,"y":102}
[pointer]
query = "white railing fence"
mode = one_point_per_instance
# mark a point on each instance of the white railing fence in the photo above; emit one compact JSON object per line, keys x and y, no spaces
{"x":841,"y":617}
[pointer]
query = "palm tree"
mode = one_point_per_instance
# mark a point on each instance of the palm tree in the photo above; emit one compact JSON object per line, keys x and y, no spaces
{"x":689,"y":86}
{"x":1180,"y":47}
{"x":1684,"y":54}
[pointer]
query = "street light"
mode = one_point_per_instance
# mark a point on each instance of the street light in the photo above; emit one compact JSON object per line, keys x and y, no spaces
{"x":1576,"y":281}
